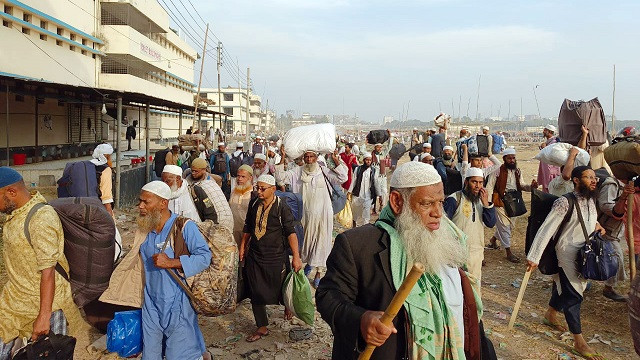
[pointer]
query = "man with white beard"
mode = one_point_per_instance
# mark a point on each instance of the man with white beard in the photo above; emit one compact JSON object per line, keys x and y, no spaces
{"x":313,"y":181}
{"x":440,"y":318}
{"x":180,"y":201}
{"x":239,"y":200}
{"x":261,"y":167}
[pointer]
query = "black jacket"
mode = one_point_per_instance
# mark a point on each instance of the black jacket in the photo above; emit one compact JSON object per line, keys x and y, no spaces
{"x":358,"y":279}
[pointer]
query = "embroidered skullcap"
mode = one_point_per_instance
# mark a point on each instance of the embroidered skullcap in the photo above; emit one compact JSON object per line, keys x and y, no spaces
{"x":239,"y":144}
{"x":413,"y":174}
{"x":447,"y":147}
{"x":509,"y":151}
{"x":260,"y":156}
{"x":551,"y":128}
{"x":485,"y":128}
{"x":366,"y":155}
{"x":474,"y":171}
{"x":199,"y":163}
{"x":426,"y":145}
{"x":8,"y":176}
{"x":172,"y":169}
{"x":246,"y":168}
{"x":221,"y":143}
{"x":158,"y":188}
{"x":99,"y":154}
{"x":267,"y":179}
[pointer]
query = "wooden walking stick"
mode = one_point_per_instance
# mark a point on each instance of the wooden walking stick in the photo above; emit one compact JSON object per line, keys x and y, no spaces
{"x":396,"y":303}
{"x":516,"y":307}
{"x":632,"y":258}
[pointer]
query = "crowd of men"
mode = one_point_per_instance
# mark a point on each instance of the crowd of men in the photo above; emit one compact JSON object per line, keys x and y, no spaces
{"x":280,"y":213}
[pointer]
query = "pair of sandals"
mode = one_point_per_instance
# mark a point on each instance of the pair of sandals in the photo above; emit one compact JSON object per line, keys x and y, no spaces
{"x":559,"y":327}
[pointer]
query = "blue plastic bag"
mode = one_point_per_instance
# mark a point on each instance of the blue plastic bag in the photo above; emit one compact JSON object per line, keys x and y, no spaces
{"x":124,"y":333}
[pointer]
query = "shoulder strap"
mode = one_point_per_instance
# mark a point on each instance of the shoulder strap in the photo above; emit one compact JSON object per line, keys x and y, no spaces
{"x":571,"y":199}
{"x":27,"y":234}
{"x":172,"y":273}
{"x":326,"y":180}
{"x":584,"y":228}
{"x":459,"y":196}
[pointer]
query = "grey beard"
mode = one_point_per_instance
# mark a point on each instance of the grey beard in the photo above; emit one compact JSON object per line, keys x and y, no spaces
{"x":434,"y":249}
{"x":311,"y":168}
{"x":149,"y":222}
{"x":11,"y":206}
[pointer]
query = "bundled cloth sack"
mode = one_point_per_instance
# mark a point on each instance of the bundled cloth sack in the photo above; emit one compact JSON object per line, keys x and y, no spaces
{"x":623,"y":157}
{"x":345,"y":216}
{"x":574,"y":114}
{"x":296,"y":295}
{"x":320,"y":138}
{"x":377,"y":137}
{"x":190,"y":141}
{"x":442,"y":120}
{"x":557,"y":154}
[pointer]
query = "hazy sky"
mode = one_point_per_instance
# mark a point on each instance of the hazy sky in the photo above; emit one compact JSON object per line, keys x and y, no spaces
{"x":381,"y":55}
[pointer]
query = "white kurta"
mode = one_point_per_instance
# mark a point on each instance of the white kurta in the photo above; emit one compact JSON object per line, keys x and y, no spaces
{"x":463,"y":218}
{"x":183,"y":204}
{"x":361,"y":203}
{"x":571,"y":239}
{"x":317,"y":213}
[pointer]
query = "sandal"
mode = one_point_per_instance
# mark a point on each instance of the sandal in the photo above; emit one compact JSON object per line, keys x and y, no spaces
{"x":514,"y":259}
{"x":257,"y":336}
{"x":588,"y":356}
{"x":555,"y":326}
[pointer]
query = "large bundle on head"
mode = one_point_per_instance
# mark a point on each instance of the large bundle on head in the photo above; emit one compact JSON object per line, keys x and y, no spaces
{"x":319,"y":138}
{"x":623,"y":157}
{"x":189,"y":141}
{"x":442,"y":120}
{"x":574,"y":114}
{"x":557,"y":154}
{"x":377,"y":137}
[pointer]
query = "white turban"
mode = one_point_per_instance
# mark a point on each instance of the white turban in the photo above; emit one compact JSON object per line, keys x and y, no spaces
{"x":447,"y":148}
{"x":260,"y":156}
{"x":99,"y":154}
{"x":426,"y":145}
{"x":366,"y":155}
{"x":172,"y":169}
{"x":474,"y":171}
{"x":413,"y":174}
{"x":509,"y":151}
{"x":267,"y":179}
{"x":551,"y":128}
{"x":158,"y":188}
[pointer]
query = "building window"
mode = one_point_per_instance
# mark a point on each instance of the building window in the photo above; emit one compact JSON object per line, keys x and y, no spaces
{"x":6,"y":23}
{"x":26,"y":17}
{"x":228,"y":110}
{"x":228,"y":97}
{"x":8,"y":9}
{"x":60,"y":31}
{"x":59,"y":42}
{"x":25,"y":30}
{"x":43,"y":24}
{"x":43,"y":37}
{"x":203,"y":95}
{"x":72,"y":48}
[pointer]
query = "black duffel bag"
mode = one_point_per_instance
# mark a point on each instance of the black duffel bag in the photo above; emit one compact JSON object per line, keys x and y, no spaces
{"x":377,"y":137}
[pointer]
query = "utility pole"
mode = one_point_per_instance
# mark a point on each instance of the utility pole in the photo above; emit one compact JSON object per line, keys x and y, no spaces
{"x":521,"y":115}
{"x":219,"y":89}
{"x":613,"y":110}
{"x":468,"y":106}
{"x":509,"y":116}
{"x":239,"y":99}
{"x":248,"y":87}
{"x":407,"y":115}
{"x":536,"y":97}
{"x":196,"y":125}
{"x":478,"y":98}
{"x":459,"y":113}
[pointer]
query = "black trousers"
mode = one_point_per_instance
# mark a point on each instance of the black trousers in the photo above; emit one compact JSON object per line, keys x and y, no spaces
{"x":260,"y":315}
{"x":569,"y":303}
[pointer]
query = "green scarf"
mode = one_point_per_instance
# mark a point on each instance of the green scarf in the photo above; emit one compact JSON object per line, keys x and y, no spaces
{"x":432,"y":325}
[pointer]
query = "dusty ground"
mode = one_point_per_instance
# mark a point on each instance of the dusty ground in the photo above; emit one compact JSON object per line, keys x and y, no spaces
{"x":530,"y":339}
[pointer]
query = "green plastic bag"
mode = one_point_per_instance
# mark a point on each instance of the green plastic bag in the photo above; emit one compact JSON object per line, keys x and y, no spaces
{"x":296,"y":295}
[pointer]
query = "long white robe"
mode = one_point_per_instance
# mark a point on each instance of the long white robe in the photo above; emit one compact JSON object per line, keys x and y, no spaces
{"x":317,"y":213}
{"x":361,"y":203}
{"x":182,"y":204}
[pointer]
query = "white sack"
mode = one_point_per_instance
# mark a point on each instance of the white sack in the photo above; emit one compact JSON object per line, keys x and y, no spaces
{"x":558,"y":153}
{"x":319,"y":138}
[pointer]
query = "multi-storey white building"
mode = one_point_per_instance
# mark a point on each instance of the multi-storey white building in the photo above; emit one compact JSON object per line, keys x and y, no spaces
{"x":63,"y":61}
{"x":233,"y":102}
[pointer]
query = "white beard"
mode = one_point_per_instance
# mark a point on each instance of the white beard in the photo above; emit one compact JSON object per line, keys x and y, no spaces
{"x":311,"y":168}
{"x":176,"y":191}
{"x":434,"y":249}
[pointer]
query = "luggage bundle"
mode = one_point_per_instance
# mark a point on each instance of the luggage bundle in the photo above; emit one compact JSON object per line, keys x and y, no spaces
{"x":190,"y":141}
{"x":557,"y":154}
{"x":623,"y":157}
{"x":320,"y":138}
{"x":397,"y":150}
{"x":377,"y":137}
{"x":498,"y":144}
{"x":574,"y":114}
{"x":159,"y":161}
{"x":476,"y":144}
{"x":79,"y":179}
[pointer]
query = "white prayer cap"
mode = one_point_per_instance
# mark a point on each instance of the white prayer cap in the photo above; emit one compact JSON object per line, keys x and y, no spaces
{"x":378,"y":144}
{"x":474,"y":171}
{"x":158,"y":188}
{"x":509,"y":151}
{"x":426,"y":145}
{"x":172,"y":169}
{"x":425,"y":156}
{"x":239,"y":144}
{"x":273,"y":149}
{"x":366,"y":155}
{"x":447,"y":147}
{"x":465,"y":128}
{"x":267,"y":179}
{"x":485,"y":128}
{"x":413,"y":174}
{"x":221,"y":144}
{"x":201,"y":147}
{"x":433,"y":129}
{"x":260,"y":156}
{"x":99,"y":154}
{"x":415,"y":128}
{"x":551,"y":128}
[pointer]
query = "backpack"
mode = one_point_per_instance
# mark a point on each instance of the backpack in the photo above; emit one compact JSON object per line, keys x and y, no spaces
{"x":219,"y":163}
{"x":213,"y":291}
{"x":604,"y":178}
{"x":79,"y":179}
{"x":89,"y":245}
{"x":159,"y":161}
{"x":498,"y":144}
{"x":541,"y":204}
{"x":236,"y":161}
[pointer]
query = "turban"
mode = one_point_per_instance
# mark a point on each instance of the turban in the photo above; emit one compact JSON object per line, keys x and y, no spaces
{"x":99,"y":154}
{"x":474,"y":172}
{"x":8,"y":176}
{"x":158,"y":188}
{"x":366,"y":155}
{"x":172,"y":169}
{"x":267,"y":179}
{"x":199,"y":163}
{"x":551,"y":128}
{"x":413,"y":174}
